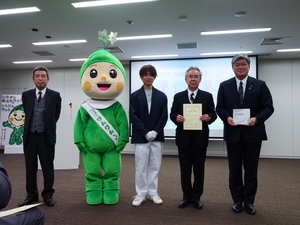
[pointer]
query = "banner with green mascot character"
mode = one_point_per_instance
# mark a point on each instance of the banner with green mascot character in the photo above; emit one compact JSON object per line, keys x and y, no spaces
{"x":12,"y":123}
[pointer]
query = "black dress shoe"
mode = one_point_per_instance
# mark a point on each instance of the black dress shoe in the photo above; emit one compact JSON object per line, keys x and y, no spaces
{"x":237,"y":208}
{"x":184,"y":203}
{"x":27,"y":202}
{"x":250,"y":209}
{"x":198,"y":204}
{"x":49,"y":202}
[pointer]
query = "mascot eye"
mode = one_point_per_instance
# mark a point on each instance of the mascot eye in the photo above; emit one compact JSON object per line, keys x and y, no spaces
{"x":23,"y":116}
{"x":113,"y":73}
{"x":93,"y":73}
{"x":15,"y":114}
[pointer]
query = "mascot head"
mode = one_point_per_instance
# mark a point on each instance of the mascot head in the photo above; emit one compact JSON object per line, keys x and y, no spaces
{"x":17,"y":116}
{"x":102,"y":75}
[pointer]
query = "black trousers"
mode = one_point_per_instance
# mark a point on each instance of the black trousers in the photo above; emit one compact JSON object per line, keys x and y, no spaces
{"x":192,"y":159}
{"x":38,"y":146}
{"x":243,"y":186}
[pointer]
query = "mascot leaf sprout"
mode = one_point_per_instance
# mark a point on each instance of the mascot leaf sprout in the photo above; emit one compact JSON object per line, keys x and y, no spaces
{"x":101,"y":126}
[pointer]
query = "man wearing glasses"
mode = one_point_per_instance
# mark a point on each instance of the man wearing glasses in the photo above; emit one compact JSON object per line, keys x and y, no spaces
{"x":240,"y":95}
{"x":192,"y":143}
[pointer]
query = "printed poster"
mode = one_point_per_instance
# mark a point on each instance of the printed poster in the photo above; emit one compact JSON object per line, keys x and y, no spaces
{"x":12,"y":122}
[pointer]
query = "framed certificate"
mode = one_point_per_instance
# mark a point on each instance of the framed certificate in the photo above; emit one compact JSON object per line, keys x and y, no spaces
{"x":191,"y":114}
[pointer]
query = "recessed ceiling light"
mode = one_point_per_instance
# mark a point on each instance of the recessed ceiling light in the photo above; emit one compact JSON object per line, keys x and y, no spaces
{"x":235,"y":31}
{"x":5,"y":46}
{"x":106,"y":2}
{"x":144,"y":37}
{"x":226,"y":53}
{"x":59,"y":42}
{"x":19,"y":10}
{"x":153,"y":56}
{"x":289,"y":50}
{"x":36,"y":61}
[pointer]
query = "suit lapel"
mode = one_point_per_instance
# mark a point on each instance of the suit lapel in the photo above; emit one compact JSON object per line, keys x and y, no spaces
{"x":186,"y":97}
{"x":234,"y":91}
{"x":144,"y":102}
{"x":47,"y":99}
{"x":248,"y":89}
{"x":30,"y":102}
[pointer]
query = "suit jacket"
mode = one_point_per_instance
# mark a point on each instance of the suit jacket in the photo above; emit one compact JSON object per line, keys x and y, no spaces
{"x":208,"y":107}
{"x":257,"y":98}
{"x":51,"y":113}
{"x":5,"y":187}
{"x":142,"y":121}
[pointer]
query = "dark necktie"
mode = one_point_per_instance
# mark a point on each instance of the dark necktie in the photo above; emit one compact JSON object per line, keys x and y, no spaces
{"x":241,"y":92}
{"x":40,"y":96}
{"x":192,"y":98}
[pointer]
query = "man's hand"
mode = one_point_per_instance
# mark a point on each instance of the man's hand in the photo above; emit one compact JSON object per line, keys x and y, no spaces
{"x":205,"y":118}
{"x":180,"y":119}
{"x":230,"y":121}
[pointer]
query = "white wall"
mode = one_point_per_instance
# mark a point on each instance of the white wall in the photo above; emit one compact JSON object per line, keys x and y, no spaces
{"x":283,"y":79}
{"x":281,"y":76}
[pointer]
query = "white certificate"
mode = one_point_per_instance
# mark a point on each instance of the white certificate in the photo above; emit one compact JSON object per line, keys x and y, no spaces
{"x":241,"y":116}
{"x":191,"y":114}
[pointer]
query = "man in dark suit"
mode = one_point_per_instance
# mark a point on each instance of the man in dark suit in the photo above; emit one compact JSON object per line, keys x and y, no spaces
{"x":33,"y":216}
{"x":244,"y":140}
{"x":148,"y":115}
{"x":42,"y":109}
{"x":192,"y":144}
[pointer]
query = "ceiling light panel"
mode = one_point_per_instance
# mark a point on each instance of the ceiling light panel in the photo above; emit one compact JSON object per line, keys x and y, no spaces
{"x":227,"y":53}
{"x":289,"y":50}
{"x":59,"y":42}
{"x":77,"y":60}
{"x":235,"y":31}
{"x":106,"y":2}
{"x":19,"y":10}
{"x":36,"y":61}
{"x":5,"y":46}
{"x":153,"y":56}
{"x":144,"y":37}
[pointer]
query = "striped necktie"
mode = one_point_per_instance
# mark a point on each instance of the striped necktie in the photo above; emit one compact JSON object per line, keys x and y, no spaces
{"x":241,"y":92}
{"x":192,"y":98}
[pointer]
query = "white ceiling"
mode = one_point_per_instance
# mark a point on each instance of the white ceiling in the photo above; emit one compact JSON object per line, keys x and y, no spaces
{"x":60,"y":20}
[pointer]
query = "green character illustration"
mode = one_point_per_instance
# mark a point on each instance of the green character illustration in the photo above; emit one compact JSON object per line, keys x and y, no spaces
{"x":16,"y":119}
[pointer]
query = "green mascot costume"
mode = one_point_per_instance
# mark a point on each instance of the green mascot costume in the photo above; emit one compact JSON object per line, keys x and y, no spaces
{"x":101,"y":127}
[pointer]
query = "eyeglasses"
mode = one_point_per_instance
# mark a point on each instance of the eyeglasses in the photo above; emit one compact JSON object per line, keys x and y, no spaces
{"x":40,"y":76}
{"x":195,"y":77}
{"x":240,"y":64}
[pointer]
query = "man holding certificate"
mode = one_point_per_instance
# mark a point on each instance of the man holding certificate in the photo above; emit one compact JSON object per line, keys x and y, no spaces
{"x":192,"y":111}
{"x":244,"y":104}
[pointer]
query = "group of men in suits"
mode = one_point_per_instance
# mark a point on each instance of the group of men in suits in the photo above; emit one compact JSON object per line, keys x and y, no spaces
{"x":243,"y":139}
